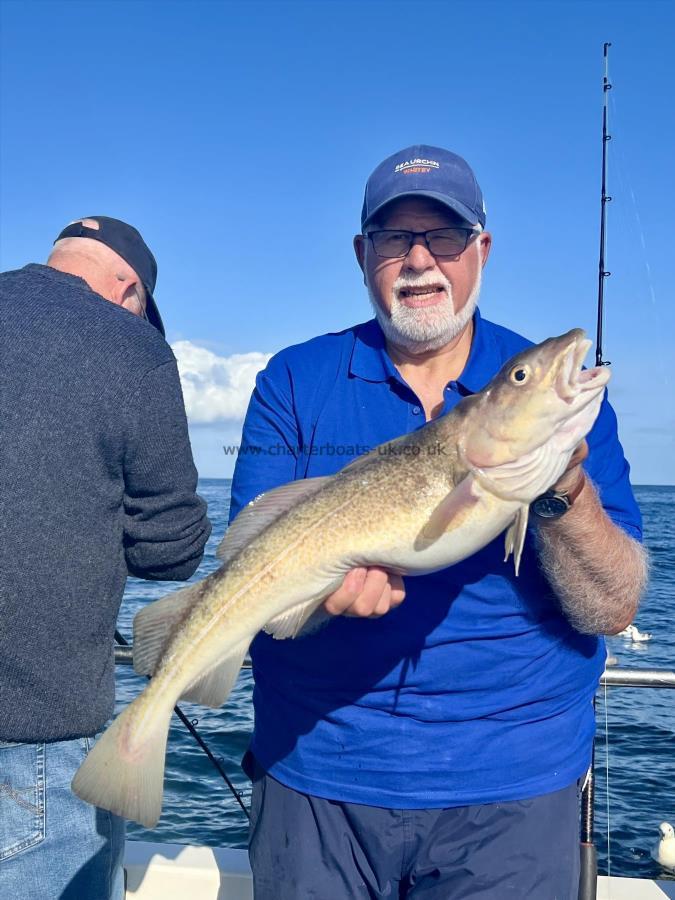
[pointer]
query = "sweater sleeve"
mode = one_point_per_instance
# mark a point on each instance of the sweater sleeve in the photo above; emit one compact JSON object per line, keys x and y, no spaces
{"x":165,"y":523}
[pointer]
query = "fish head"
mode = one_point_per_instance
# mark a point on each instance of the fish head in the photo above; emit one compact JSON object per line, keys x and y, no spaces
{"x":541,"y":400}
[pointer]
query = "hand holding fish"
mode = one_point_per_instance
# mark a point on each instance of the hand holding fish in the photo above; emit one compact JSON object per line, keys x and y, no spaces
{"x":366,"y":592}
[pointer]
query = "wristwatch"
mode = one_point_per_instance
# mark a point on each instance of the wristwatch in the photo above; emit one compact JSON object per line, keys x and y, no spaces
{"x":553,"y":504}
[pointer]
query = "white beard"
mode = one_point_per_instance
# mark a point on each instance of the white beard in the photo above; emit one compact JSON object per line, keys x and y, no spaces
{"x":424,"y":328}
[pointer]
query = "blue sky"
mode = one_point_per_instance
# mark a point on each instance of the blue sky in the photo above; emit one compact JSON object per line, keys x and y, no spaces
{"x":238,"y":136}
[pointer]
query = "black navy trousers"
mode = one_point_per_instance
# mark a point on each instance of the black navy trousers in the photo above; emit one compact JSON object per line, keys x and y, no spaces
{"x":307,"y":848}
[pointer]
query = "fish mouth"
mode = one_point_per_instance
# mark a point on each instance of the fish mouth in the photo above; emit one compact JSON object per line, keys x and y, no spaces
{"x":571,"y":379}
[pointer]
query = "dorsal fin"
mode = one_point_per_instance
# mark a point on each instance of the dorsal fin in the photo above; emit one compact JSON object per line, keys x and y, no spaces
{"x":264,"y":510}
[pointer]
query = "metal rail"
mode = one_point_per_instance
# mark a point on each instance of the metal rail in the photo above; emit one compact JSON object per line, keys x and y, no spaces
{"x":124,"y":656}
{"x":650,"y":678}
{"x":612,"y":677}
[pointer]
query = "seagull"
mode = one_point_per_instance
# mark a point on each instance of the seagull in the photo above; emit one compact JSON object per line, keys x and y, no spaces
{"x":664,"y":851}
{"x":633,"y":633}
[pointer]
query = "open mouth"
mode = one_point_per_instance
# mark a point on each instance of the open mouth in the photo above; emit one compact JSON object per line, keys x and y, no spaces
{"x":572,"y":379}
{"x":419,"y":296}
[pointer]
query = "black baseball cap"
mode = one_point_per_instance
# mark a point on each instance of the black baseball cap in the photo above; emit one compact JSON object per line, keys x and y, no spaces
{"x":127,"y":242}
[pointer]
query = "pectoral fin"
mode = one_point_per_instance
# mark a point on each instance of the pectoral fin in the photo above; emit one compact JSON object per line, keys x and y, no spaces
{"x":515,"y":536}
{"x":450,"y":511}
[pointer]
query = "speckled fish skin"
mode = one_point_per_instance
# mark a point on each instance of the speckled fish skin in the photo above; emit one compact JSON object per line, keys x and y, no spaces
{"x":414,"y":505}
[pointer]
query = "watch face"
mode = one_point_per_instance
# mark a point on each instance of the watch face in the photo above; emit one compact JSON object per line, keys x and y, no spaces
{"x":550,"y":507}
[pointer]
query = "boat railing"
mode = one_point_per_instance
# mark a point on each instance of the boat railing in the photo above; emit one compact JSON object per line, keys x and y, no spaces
{"x":613,"y":676}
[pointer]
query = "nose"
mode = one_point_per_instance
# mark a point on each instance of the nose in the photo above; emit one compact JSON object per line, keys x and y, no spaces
{"x":419,"y":258}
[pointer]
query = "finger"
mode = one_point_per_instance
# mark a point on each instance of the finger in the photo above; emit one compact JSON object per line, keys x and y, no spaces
{"x":342,"y":598}
{"x":397,"y":590}
{"x":383,"y":605}
{"x":364,"y":605}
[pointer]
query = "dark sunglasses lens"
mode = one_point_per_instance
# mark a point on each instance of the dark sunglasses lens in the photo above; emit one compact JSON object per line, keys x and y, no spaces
{"x":391,"y":243}
{"x":441,"y":242}
{"x":451,"y":242}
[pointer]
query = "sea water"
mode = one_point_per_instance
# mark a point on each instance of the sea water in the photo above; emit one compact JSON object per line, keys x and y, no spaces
{"x":635,"y":744}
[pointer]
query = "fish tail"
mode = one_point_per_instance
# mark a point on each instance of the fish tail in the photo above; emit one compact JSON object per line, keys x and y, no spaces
{"x":124,"y":772}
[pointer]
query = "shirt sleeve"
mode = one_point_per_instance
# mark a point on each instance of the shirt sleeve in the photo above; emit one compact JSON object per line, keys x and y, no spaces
{"x":269,"y":442}
{"x":165,"y":523}
{"x":608,"y":469}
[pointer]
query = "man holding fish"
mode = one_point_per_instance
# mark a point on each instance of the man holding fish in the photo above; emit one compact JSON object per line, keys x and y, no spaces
{"x":436,"y":750}
{"x":432,"y":747}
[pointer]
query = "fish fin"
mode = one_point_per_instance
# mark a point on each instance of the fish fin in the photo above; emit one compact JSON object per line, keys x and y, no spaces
{"x":315,"y":622}
{"x":453,"y":506}
{"x":515,"y":536}
{"x":261,"y":512}
{"x":128,"y":781}
{"x":293,"y":621}
{"x":155,"y":624}
{"x":214,"y":687}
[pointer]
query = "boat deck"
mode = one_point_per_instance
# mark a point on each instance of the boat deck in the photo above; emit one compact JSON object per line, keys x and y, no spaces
{"x":175,"y":871}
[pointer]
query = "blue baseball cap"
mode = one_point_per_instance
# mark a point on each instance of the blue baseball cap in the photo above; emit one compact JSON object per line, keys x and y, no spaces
{"x":424,"y":171}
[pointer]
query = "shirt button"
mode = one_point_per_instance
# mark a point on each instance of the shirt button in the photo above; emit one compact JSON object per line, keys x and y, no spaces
{"x":417,"y":410}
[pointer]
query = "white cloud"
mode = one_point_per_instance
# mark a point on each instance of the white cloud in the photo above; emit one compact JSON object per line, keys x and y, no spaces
{"x":216,"y":388}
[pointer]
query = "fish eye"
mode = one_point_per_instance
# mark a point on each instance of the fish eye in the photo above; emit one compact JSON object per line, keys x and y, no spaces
{"x":519,"y":374}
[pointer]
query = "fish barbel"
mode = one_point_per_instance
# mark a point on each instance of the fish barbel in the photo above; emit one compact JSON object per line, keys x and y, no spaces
{"x":414,"y":505}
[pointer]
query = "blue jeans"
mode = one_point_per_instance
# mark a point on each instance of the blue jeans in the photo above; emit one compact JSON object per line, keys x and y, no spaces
{"x":54,"y":846}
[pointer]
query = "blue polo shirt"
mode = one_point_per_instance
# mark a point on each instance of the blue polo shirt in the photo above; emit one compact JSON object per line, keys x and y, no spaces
{"x":476,"y":689}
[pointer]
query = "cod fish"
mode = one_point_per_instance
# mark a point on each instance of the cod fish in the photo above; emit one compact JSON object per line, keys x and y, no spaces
{"x":414,"y":505}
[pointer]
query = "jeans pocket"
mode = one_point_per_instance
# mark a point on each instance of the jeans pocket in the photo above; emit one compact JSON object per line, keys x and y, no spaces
{"x":22,"y":797}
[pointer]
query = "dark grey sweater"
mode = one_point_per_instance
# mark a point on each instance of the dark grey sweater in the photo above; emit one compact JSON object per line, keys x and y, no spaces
{"x":96,"y":480}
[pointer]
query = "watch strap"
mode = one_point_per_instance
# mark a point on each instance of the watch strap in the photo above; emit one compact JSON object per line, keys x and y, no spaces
{"x":567,"y":497}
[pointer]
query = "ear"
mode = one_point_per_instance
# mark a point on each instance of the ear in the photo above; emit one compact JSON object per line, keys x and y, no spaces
{"x":120,"y":289}
{"x":131,"y":297}
{"x":360,"y":250}
{"x":485,"y":243}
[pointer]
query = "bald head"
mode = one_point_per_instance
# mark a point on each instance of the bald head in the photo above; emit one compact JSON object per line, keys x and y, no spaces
{"x":105,"y":271}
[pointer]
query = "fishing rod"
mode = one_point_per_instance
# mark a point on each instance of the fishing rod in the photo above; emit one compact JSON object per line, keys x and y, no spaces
{"x":588,"y":879}
{"x":588,"y":873}
{"x":604,"y":200}
{"x":190,"y":725}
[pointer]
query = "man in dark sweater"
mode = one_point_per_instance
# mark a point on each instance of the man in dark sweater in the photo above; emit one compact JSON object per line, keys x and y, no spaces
{"x":97,"y":482}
